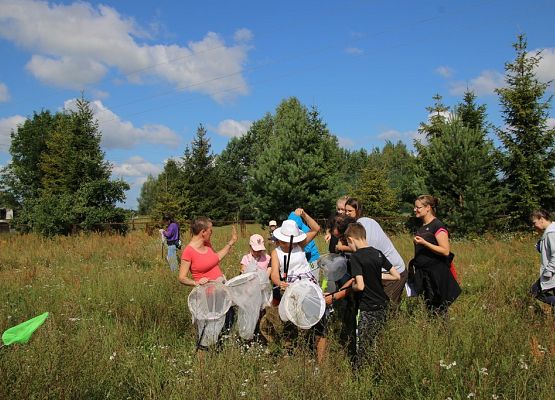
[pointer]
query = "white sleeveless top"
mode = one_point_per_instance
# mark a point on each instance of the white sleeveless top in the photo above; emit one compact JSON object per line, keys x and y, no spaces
{"x":299,"y":267}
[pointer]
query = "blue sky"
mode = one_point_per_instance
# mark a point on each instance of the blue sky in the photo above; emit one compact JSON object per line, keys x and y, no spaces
{"x":156,"y":70}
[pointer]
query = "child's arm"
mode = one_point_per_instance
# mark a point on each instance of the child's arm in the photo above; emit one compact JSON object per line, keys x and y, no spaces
{"x":358,"y":285}
{"x":274,"y":274}
{"x":313,"y":225}
{"x":391,"y":275}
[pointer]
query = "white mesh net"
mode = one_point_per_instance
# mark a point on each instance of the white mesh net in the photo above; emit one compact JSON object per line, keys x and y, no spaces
{"x":334,"y":266}
{"x":208,"y":305}
{"x":246,"y":294}
{"x":303,"y":304}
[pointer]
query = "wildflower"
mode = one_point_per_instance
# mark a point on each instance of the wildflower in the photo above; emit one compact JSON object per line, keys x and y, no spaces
{"x":542,"y":349}
{"x":243,"y":394}
{"x":471,"y":395}
{"x":113,"y":356}
{"x":447,"y":366}
{"x":483,"y":371}
{"x":521,"y":363}
{"x":494,"y":396}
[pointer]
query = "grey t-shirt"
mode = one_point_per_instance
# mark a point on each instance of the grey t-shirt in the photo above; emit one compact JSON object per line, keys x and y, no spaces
{"x":376,"y":237}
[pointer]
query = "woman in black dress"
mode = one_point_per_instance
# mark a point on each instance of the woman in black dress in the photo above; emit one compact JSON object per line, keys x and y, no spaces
{"x":432,"y":276}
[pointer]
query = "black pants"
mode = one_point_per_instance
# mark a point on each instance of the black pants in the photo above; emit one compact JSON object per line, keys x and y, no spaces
{"x":546,"y":296}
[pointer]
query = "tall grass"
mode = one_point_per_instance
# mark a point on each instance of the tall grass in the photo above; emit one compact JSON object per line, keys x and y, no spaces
{"x":119,"y":328}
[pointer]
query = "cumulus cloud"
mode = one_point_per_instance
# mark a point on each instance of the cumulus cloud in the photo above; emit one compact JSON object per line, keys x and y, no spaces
{"x":6,"y":126}
{"x":4,"y":93}
{"x":117,"y":133}
{"x":444,"y":71}
{"x":66,"y":72}
{"x":136,"y":167}
{"x":354,"y":51}
{"x":546,"y":68}
{"x":233,"y":128}
{"x":484,"y":84}
{"x":550,"y":123}
{"x":76,"y":45}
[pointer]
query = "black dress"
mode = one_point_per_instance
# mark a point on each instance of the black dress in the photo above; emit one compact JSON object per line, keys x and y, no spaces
{"x":432,"y":276}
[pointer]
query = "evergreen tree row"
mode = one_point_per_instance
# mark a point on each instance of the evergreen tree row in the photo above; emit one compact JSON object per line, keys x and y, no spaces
{"x":290,"y":158}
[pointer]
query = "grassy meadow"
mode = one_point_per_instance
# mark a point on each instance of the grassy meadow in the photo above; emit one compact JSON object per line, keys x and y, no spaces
{"x":119,"y":328}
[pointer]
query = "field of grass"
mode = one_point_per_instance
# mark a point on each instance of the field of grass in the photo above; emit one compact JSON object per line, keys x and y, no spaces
{"x":119,"y":328}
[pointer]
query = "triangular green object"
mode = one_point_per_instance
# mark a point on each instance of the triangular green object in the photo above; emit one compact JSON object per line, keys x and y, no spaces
{"x":22,"y":333}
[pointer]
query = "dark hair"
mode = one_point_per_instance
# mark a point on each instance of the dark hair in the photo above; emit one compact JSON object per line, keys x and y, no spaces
{"x":341,"y":223}
{"x":355,"y":231}
{"x":168,"y":218}
{"x":537,"y":214}
{"x":351,"y":201}
{"x":429,"y":200}
{"x":199,"y":224}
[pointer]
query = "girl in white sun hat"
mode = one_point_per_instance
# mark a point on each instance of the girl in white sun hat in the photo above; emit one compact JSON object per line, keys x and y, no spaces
{"x":288,"y":259}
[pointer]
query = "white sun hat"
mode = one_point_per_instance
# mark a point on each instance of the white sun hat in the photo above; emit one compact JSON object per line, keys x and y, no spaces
{"x":287,"y":229}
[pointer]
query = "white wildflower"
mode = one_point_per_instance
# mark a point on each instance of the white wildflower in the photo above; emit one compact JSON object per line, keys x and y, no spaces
{"x":113,"y":356}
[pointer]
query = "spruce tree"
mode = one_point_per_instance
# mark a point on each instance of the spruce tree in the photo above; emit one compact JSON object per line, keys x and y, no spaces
{"x":437,"y":115}
{"x":297,"y":167}
{"x":202,"y":183}
{"x":528,"y":145}
{"x":471,"y":114}
{"x":373,"y":190}
{"x":461,"y":173}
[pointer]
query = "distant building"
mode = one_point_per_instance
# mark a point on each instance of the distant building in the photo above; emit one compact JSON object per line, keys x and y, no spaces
{"x":6,"y":216}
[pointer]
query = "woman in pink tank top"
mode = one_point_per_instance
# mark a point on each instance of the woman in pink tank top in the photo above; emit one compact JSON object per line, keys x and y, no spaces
{"x":199,"y":258}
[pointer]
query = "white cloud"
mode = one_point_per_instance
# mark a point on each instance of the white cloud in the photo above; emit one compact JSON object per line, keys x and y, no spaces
{"x":550,"y":123}
{"x":484,"y":84}
{"x":122,"y":134}
{"x":444,"y":71}
{"x":354,"y":51}
{"x":546,"y":68}
{"x":4,"y":92}
{"x":75,"y":45}
{"x":232,"y":128}
{"x":243,"y":35}
{"x":6,"y":127}
{"x":136,"y":167}
{"x":66,"y":72}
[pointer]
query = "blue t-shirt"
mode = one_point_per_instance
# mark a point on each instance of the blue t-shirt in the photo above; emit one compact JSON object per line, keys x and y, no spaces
{"x":310,"y":249}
